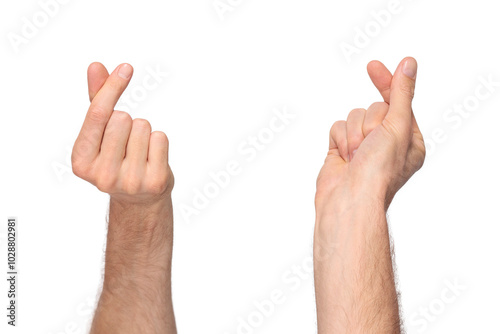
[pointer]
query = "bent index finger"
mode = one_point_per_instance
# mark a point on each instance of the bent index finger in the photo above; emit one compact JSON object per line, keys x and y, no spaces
{"x":96,"y":77}
{"x":381,"y":78}
{"x":88,"y":143}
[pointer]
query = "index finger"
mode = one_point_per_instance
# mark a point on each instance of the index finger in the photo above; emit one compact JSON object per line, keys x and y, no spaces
{"x":96,"y":77}
{"x":88,"y":143}
{"x":381,"y":78}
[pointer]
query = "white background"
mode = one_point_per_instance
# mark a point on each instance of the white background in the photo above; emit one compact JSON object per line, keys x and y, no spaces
{"x":226,"y":74}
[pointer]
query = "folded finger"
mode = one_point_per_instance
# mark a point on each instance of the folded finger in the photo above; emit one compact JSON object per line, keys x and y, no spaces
{"x":355,"y":134}
{"x":338,"y":139}
{"x":88,"y":143}
{"x":375,"y":114}
{"x":381,"y":78}
{"x":114,"y":142}
{"x":138,"y":143}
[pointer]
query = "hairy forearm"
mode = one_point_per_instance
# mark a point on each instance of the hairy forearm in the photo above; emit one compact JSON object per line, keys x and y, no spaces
{"x":136,"y":294}
{"x":355,"y":288}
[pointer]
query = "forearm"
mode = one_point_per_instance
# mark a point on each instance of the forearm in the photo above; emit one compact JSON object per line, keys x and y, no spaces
{"x":355,"y":289}
{"x":136,"y":295}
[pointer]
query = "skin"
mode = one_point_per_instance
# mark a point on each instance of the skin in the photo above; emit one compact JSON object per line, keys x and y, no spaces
{"x":371,"y":156}
{"x":123,"y":158}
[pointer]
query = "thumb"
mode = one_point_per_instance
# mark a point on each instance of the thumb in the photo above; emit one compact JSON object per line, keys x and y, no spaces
{"x":402,"y":91}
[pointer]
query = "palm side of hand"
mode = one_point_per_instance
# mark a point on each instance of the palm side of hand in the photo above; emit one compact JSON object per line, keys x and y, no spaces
{"x":380,"y":147}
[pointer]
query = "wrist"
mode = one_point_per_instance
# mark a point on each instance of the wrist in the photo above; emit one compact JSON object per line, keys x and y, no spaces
{"x":149,"y":201}
{"x":345,"y":218}
{"x":139,"y":223}
{"x":349,"y":195}
{"x":139,"y":241}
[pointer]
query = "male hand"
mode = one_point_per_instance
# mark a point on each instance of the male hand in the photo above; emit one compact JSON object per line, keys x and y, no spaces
{"x":371,"y":156}
{"x":376,"y":150}
{"x":120,"y":156}
{"x":124,"y":158}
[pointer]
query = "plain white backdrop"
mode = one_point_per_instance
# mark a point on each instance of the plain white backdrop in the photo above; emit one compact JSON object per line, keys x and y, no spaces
{"x":212,"y":75}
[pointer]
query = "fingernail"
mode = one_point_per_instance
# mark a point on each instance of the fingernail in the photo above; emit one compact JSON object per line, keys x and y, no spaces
{"x":410,"y":68}
{"x":125,"y":71}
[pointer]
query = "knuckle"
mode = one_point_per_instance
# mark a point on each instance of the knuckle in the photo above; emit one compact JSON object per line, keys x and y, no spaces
{"x":356,"y":112}
{"x":122,"y":117}
{"x":142,"y":123}
{"x":393,"y":130}
{"x":420,"y":164}
{"x":336,"y":126}
{"x":421,"y":153}
{"x":158,"y":184}
{"x":132,"y":185}
{"x":407,"y":88}
{"x":355,"y":139}
{"x":160,"y":137}
{"x":378,"y":105}
{"x":368,"y":127}
{"x":79,"y":170}
{"x":105,"y":178}
{"x":115,"y":85}
{"x":339,"y":141}
{"x":74,"y":159}
{"x":170,"y":179}
{"x":105,"y":182}
{"x":78,"y":167}
{"x":156,"y":188}
{"x":97,"y":114}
